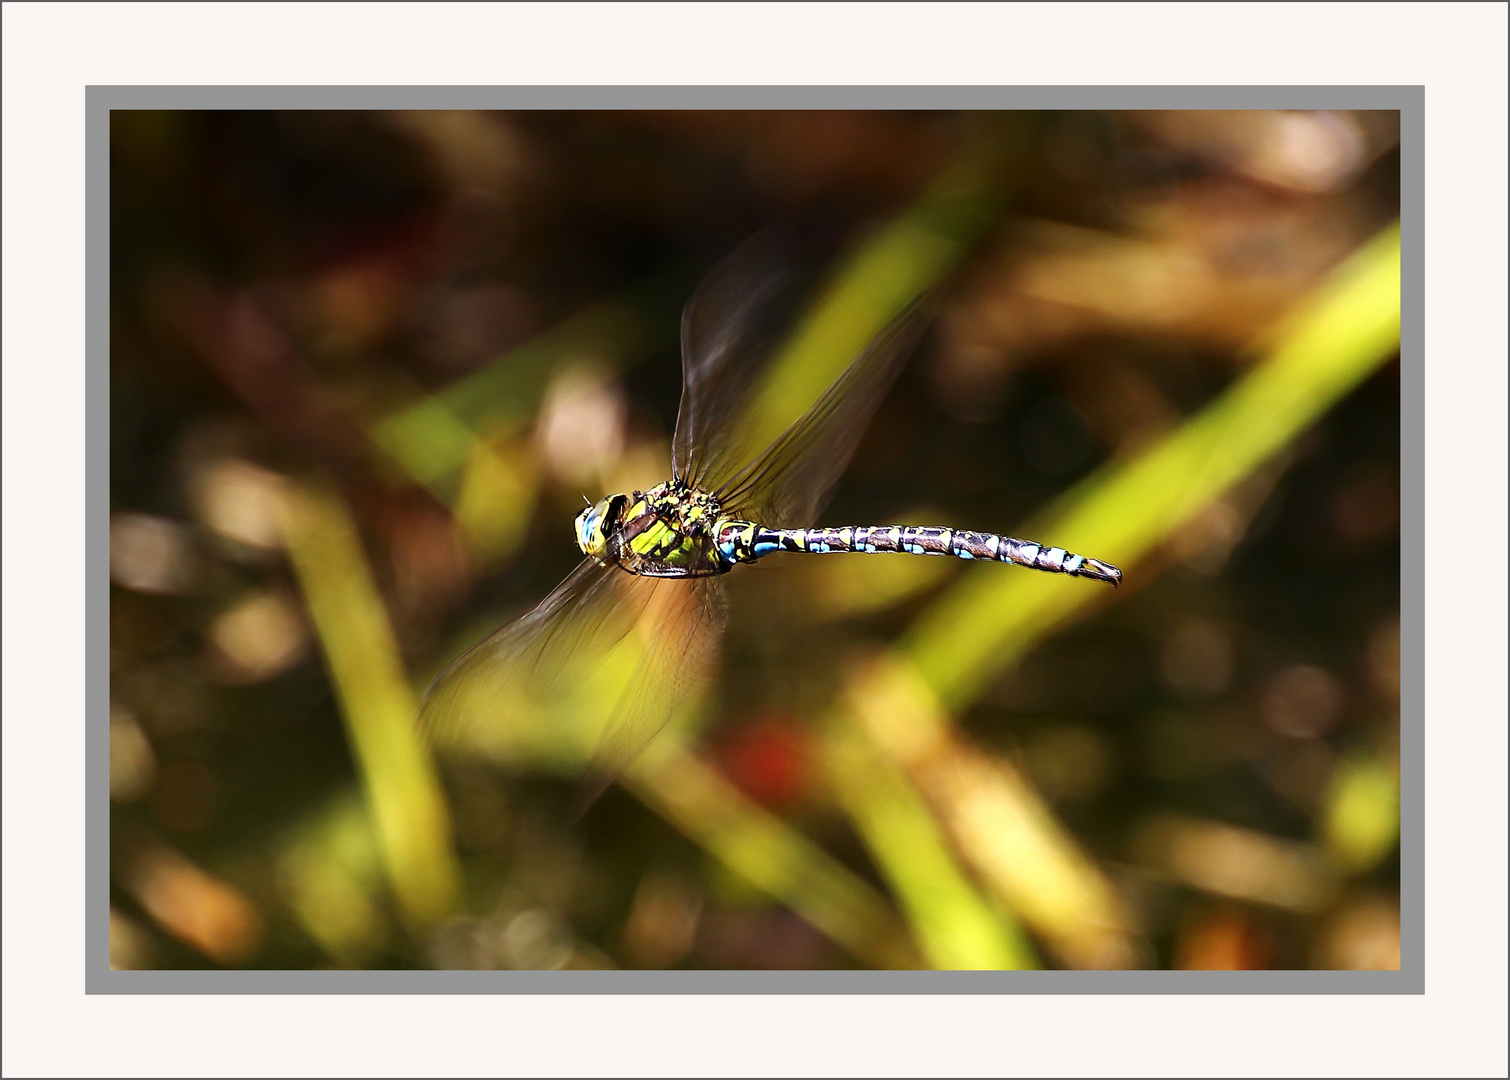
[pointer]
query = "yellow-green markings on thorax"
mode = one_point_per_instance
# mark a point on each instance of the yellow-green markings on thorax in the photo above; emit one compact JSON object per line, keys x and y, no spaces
{"x":668,"y":526}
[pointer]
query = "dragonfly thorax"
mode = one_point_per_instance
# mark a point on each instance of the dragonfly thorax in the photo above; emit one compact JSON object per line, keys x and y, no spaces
{"x":666,"y":531}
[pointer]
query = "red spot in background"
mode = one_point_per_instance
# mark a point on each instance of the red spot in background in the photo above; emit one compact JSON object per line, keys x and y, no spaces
{"x":766,"y":758}
{"x":1223,"y":937}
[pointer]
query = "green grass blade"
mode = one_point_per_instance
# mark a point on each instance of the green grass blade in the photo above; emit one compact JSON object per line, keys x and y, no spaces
{"x":882,"y":276}
{"x":956,"y":927}
{"x":769,"y":854}
{"x":403,"y":793}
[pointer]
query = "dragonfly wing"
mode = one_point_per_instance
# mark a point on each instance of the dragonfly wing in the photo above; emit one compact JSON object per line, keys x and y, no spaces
{"x":680,"y":623}
{"x":788,"y":483}
{"x":680,"y":634}
{"x":586,"y":614}
{"x":731,"y":326}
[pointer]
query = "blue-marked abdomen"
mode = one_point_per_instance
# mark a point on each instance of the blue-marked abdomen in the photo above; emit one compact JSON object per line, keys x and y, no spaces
{"x":745,"y":541}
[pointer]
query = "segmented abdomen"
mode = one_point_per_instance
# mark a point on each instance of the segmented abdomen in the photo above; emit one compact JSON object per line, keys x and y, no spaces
{"x":746,"y":542}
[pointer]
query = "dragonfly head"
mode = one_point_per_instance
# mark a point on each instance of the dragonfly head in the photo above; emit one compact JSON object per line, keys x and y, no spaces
{"x":598,"y":522}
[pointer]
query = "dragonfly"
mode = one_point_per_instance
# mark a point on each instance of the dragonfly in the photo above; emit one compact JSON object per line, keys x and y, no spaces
{"x":656,"y":560}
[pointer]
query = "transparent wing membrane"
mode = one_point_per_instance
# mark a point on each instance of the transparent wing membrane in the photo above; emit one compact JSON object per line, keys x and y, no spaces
{"x":731,"y":326}
{"x":671,"y":627}
{"x":678,"y":642}
{"x":788,"y":483}
{"x":591,"y":610}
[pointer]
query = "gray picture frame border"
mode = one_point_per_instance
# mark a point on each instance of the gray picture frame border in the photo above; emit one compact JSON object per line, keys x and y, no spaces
{"x":100,"y":101}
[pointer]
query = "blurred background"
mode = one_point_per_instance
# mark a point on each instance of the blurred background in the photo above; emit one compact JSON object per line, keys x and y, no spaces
{"x":365,"y":365}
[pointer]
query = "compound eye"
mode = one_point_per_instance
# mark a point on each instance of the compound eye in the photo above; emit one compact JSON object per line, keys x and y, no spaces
{"x":598,"y":522}
{"x":587,"y":529}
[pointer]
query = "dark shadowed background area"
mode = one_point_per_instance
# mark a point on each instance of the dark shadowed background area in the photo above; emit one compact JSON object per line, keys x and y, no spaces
{"x":365,"y":365}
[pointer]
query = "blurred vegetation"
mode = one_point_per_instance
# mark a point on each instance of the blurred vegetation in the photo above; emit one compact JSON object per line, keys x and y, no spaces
{"x":366,"y":365}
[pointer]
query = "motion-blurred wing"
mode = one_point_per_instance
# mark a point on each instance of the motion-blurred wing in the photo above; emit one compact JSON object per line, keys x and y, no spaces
{"x":789,"y":482}
{"x":731,"y":326}
{"x":579,"y":621}
{"x":539,"y":658}
{"x":679,"y":640}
